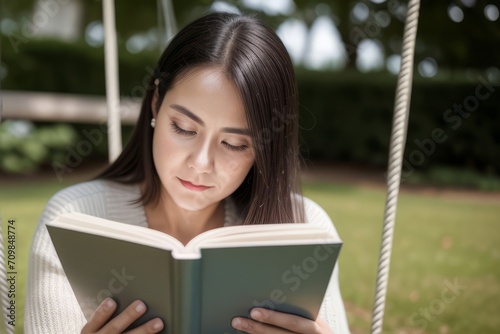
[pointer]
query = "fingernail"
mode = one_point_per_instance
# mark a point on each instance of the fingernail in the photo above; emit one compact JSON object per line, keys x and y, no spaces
{"x":157,"y":324}
{"x":140,"y":307}
{"x":256,"y":314}
{"x":236,"y":323}
{"x":108,"y":304}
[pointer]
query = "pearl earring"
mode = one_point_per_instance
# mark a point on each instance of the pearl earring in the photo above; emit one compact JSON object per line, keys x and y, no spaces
{"x":157,"y":82}
{"x":153,"y":122}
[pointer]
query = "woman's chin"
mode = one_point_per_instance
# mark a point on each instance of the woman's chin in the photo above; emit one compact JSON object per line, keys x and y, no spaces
{"x":194,"y":204}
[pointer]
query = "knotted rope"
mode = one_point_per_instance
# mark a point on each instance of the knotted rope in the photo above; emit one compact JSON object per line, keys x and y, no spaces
{"x":396,"y":152}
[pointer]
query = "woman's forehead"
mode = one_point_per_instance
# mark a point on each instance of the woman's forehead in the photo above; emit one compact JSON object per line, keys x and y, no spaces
{"x":208,"y":92}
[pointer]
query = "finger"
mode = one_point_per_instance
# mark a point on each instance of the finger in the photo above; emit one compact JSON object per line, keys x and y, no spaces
{"x":255,"y":327}
{"x":100,"y":316}
{"x":119,"y":323}
{"x":291,"y":322}
{"x":152,"y":326}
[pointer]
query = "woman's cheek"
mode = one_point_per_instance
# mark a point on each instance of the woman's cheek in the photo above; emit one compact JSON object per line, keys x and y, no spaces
{"x":232,"y":167}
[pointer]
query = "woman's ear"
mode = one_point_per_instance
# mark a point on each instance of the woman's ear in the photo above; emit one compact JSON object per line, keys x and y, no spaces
{"x":154,"y":100}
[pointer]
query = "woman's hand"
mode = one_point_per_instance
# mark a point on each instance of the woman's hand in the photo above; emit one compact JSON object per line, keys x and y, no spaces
{"x":272,"y":322}
{"x":99,"y":321}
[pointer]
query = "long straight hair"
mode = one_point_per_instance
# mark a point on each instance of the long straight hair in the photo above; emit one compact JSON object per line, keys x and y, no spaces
{"x":253,"y":57}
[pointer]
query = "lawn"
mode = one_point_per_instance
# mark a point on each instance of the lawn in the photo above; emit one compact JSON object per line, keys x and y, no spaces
{"x":445,"y":268}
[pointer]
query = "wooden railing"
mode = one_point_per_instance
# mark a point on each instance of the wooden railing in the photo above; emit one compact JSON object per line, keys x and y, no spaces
{"x":71,"y":108}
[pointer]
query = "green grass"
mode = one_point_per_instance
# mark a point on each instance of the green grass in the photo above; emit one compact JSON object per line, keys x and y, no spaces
{"x":437,"y":240}
{"x":24,"y":201}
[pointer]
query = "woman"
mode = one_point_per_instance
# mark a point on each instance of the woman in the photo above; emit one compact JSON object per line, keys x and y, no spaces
{"x":216,"y":144}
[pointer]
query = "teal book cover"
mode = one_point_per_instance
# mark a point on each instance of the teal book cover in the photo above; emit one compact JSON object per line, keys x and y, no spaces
{"x":200,"y":287}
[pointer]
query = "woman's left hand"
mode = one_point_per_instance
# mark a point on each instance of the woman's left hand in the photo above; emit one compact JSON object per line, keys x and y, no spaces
{"x":273,"y":322}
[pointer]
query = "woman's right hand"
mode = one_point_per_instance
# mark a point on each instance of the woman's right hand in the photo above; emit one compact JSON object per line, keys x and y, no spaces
{"x":99,"y":322}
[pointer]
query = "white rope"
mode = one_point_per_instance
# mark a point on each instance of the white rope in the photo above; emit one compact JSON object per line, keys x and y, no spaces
{"x":160,"y":22}
{"x":112,"y":86}
{"x":396,"y":152}
{"x":167,"y":9}
{"x":9,"y":329}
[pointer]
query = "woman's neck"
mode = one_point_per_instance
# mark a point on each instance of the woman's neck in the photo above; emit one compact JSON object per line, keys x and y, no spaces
{"x":184,"y":225}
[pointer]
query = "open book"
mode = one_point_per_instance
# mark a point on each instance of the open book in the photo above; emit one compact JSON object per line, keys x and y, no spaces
{"x":200,"y":287}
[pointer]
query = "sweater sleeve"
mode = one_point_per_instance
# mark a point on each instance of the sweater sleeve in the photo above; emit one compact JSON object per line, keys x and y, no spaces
{"x":332,"y":310}
{"x":51,"y":307}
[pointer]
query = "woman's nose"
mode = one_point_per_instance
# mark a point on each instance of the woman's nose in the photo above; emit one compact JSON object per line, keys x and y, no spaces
{"x":202,"y":159}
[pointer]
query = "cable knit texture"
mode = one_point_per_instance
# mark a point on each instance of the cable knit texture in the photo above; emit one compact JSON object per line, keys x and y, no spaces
{"x":51,"y":307}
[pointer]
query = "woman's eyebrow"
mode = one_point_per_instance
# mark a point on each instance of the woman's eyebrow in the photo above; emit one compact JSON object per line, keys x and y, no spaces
{"x":188,"y":113}
{"x":237,"y":131}
{"x":198,"y":120}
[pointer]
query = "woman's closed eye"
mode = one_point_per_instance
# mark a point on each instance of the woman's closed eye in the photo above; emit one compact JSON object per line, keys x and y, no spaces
{"x":235,"y":148}
{"x":181,"y":131}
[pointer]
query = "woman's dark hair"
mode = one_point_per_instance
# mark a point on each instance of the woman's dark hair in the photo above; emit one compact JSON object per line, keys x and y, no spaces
{"x":256,"y":61}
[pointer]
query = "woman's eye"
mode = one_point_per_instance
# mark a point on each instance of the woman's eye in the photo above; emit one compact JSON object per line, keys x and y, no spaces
{"x":180,"y":131}
{"x":235,"y":148}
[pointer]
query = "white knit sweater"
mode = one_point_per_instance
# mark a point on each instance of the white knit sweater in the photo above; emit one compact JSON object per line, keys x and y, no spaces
{"x":51,"y":307}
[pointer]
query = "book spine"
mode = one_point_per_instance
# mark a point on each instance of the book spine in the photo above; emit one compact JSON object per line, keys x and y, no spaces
{"x":187,"y":294}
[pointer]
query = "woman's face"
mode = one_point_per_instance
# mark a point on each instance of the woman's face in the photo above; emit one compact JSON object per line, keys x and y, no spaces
{"x":202,"y":148}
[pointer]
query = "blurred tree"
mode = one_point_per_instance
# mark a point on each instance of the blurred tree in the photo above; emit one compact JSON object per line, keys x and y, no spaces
{"x":339,"y":12}
{"x":470,"y":41}
{"x":455,"y":42}
{"x":455,"y":33}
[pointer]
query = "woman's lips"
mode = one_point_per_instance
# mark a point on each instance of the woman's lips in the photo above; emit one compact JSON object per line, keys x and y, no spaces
{"x":191,"y":186}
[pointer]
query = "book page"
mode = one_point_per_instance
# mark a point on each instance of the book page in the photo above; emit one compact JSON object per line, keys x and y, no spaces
{"x":107,"y":228}
{"x":222,"y":237}
{"x":261,"y":235}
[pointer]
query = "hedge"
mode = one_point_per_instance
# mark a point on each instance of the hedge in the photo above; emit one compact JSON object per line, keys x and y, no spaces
{"x":345,"y":115}
{"x":348,"y":116}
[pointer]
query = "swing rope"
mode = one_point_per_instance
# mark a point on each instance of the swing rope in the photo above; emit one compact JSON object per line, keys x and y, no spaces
{"x":167,"y":15}
{"x":112,"y":82}
{"x":396,"y":152}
